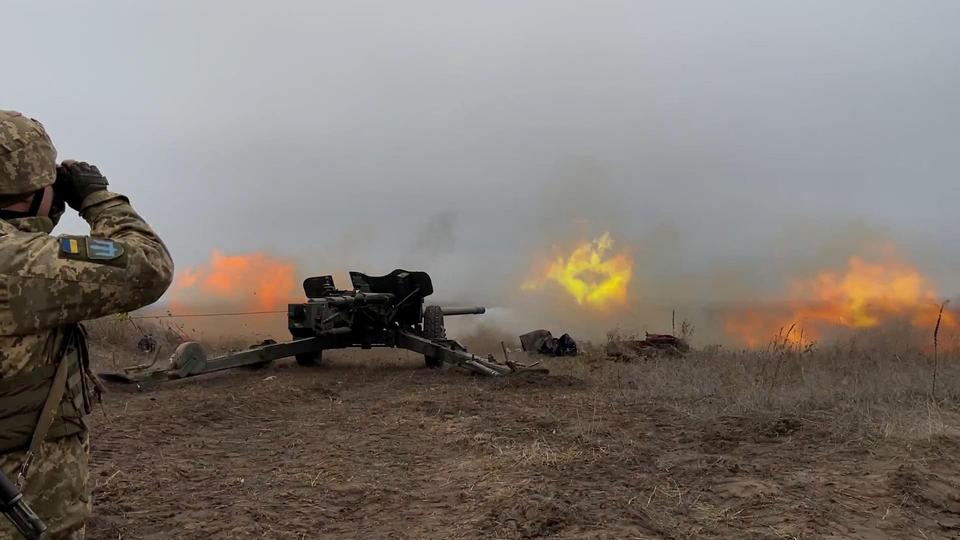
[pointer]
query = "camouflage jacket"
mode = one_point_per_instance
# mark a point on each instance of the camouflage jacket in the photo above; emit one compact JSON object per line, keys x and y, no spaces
{"x":47,"y":282}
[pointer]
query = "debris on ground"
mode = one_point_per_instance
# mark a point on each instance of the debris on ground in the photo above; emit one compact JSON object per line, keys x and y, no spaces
{"x":653,"y":345}
{"x":543,"y":342}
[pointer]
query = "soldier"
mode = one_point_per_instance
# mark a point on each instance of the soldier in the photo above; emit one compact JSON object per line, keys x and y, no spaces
{"x":48,"y":284}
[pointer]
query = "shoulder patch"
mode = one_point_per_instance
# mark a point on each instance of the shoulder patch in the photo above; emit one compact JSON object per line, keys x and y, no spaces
{"x":101,"y":249}
{"x":70,"y":245}
{"x":96,"y":250}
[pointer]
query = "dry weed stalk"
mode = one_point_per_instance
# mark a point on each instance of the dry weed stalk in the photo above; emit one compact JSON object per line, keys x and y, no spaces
{"x":936,"y":351}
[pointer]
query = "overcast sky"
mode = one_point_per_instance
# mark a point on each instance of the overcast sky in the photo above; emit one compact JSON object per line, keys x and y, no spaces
{"x":722,"y":138}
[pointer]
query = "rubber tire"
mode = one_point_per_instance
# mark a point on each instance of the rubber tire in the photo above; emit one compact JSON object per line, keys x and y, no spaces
{"x":309,"y":359}
{"x":433,"y":329}
{"x":433,"y":323}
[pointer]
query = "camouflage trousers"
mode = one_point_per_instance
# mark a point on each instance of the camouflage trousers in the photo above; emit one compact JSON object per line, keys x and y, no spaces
{"x":57,"y":487}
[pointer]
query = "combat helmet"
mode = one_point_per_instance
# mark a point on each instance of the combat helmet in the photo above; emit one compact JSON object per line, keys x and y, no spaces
{"x":27,"y":156}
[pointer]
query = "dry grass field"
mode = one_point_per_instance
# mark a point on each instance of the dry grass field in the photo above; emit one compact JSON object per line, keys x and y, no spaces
{"x":842,"y":441}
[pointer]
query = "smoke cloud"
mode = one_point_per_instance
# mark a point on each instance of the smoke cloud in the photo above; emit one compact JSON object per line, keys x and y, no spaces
{"x":732,"y":148}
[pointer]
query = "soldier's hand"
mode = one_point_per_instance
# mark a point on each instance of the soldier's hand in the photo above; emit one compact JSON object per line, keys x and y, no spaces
{"x":76,"y":180}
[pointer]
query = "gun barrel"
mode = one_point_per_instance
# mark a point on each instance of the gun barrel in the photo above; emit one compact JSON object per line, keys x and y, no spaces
{"x":473,"y":310}
{"x":18,"y":512}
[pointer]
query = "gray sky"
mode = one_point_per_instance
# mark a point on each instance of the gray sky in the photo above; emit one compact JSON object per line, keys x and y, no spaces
{"x":736,"y":138}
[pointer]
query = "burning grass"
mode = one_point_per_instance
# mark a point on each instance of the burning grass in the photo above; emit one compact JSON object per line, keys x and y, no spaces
{"x":870,"y":292}
{"x":252,"y":281}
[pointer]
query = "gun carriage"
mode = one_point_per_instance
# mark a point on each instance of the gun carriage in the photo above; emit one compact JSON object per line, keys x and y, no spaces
{"x":380,"y":311}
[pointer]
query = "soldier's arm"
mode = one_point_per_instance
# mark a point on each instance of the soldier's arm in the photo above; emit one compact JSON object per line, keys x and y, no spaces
{"x":52,"y":281}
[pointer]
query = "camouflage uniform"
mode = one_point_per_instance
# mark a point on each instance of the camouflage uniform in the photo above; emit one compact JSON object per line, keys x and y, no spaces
{"x":47,"y":283}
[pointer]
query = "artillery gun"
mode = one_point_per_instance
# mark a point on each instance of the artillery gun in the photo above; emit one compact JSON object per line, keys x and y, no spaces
{"x":380,"y":311}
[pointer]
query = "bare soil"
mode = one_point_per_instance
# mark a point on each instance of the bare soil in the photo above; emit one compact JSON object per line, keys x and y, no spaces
{"x":389,"y":449}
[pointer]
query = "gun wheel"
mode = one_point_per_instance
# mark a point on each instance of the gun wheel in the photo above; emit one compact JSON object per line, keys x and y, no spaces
{"x":309,"y":359}
{"x":433,"y":329}
{"x":433,"y":323}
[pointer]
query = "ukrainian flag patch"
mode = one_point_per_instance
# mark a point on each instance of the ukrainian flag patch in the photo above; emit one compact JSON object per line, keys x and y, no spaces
{"x":69,"y":245}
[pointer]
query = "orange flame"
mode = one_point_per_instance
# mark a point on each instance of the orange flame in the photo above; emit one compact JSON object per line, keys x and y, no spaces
{"x":593,"y":277}
{"x":864,"y":295}
{"x":252,"y":281}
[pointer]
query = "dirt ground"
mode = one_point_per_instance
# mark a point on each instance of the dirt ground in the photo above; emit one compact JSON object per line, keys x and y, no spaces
{"x":388,"y":449}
